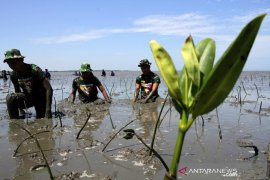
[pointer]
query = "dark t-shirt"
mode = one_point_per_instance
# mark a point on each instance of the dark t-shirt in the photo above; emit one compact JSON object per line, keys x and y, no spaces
{"x":87,"y":89}
{"x":31,"y":83}
{"x":146,"y":82}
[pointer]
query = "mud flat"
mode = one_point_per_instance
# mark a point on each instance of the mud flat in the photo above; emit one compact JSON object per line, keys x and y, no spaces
{"x":209,"y":152}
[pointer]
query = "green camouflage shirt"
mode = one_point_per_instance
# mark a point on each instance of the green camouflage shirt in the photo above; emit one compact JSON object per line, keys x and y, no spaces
{"x":31,"y":83}
{"x":146,"y":82}
{"x":87,"y":90}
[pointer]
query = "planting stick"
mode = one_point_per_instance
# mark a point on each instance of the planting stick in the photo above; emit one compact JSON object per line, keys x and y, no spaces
{"x":156,"y":126}
{"x":244,"y":87}
{"x":202,"y":121}
{"x":219,"y":129}
{"x":154,"y":151}
{"x":40,"y":149}
{"x":111,"y":119}
{"x":260,"y":108}
{"x":31,"y":136}
{"x":117,"y":133}
{"x":61,"y":124}
{"x":257,"y":91}
{"x":169,"y":109}
{"x":88,"y":117}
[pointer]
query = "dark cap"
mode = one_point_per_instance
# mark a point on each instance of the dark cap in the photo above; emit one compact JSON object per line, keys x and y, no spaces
{"x":144,"y":62}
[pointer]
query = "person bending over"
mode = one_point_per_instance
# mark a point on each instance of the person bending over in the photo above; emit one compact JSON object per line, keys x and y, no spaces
{"x":30,"y":85}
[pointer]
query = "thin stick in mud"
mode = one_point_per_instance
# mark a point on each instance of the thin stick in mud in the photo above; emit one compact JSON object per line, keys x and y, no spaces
{"x":30,"y":136}
{"x":156,"y":126}
{"x":40,"y":149}
{"x":88,"y":117}
{"x":117,"y":133}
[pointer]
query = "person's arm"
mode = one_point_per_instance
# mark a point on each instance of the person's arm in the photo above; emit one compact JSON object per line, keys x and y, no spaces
{"x":15,"y":83}
{"x":154,"y":88}
{"x":137,"y":91}
{"x":104,"y":93}
{"x":73,"y":91}
{"x":49,"y":92}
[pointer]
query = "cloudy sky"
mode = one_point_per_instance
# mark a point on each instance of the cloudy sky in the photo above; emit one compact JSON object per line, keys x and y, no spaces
{"x":115,"y":34}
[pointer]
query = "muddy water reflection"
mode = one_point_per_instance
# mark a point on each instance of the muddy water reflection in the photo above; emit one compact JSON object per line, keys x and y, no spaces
{"x":147,"y":115}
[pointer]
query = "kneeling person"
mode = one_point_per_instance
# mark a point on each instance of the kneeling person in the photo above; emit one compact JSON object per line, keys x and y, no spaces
{"x":86,"y":85}
{"x":36,"y":89}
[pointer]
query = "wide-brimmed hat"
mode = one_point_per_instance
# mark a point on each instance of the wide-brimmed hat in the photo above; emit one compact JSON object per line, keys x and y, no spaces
{"x":13,"y":54}
{"x":144,"y":62}
{"x":85,"y":67}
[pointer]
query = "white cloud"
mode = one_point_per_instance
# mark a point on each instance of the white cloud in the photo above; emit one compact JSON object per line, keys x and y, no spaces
{"x":96,"y":34}
{"x":179,"y":25}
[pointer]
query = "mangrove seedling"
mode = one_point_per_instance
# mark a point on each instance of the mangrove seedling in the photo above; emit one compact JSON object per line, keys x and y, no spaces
{"x":202,"y":85}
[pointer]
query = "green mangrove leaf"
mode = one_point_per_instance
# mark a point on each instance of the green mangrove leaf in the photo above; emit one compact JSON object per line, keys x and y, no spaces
{"x":226,"y":71}
{"x":185,"y":88}
{"x":177,"y":106}
{"x":166,"y":68}
{"x":191,"y":61}
{"x":206,"y":51}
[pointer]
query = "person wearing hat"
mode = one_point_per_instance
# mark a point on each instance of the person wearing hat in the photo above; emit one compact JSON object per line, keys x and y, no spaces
{"x":146,"y":84}
{"x":30,"y":85}
{"x":86,"y":85}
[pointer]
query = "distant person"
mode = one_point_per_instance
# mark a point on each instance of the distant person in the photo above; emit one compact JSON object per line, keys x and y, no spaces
{"x":31,"y":87}
{"x":47,"y":74}
{"x":103,"y":73}
{"x":76,"y":73}
{"x":146,"y":84}
{"x":112,"y":73}
{"x":4,"y":75}
{"x":87,"y":85}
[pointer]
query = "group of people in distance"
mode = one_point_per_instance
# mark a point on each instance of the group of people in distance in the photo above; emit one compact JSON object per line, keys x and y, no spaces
{"x":33,"y":89}
{"x":103,"y":73}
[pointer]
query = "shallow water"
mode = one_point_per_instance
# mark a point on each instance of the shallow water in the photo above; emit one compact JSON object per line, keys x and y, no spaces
{"x":71,"y":158}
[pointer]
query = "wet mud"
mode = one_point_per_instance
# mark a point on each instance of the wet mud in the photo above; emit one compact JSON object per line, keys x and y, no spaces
{"x":244,"y":124}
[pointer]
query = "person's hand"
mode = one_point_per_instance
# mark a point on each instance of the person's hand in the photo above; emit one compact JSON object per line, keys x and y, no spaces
{"x":48,"y":114}
{"x":71,"y":98}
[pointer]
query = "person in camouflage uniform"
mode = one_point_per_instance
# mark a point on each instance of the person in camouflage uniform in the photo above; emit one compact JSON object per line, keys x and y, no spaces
{"x":146,"y":84}
{"x":86,"y":85}
{"x":30,"y":85}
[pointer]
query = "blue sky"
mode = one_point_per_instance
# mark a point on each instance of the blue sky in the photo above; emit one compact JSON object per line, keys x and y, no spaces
{"x":115,"y":34}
